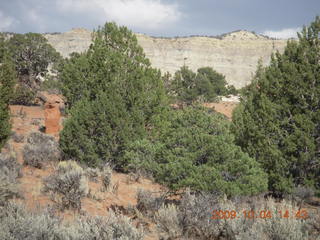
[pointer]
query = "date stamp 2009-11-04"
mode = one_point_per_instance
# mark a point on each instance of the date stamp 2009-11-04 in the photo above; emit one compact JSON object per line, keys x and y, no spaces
{"x":262,"y":214}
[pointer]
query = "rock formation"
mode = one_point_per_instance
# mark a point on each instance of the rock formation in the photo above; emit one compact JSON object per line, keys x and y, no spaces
{"x":234,"y":54}
{"x":52,"y":114}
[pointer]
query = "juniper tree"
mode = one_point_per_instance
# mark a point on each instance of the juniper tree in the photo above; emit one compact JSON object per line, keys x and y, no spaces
{"x":114,"y":96}
{"x":32,"y":55}
{"x":7,"y":80}
{"x":196,"y":149}
{"x":207,"y":84}
{"x":278,"y":120}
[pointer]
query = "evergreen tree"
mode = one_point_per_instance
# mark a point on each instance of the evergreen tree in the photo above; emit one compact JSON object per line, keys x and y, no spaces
{"x":216,"y":83}
{"x":114,"y":96}
{"x":7,"y":80}
{"x":196,"y":149}
{"x":207,"y":84}
{"x":278,"y":120}
{"x":31,"y":54}
{"x":183,"y":85}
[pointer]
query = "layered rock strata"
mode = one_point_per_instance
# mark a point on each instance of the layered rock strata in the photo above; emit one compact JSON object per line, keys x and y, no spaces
{"x":234,"y":54}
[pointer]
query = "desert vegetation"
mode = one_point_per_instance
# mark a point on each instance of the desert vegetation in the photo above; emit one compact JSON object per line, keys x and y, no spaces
{"x":67,"y":185}
{"x":206,"y":85}
{"x":217,"y":175}
{"x":32,"y":58}
{"x":40,"y":149}
{"x":18,"y":223}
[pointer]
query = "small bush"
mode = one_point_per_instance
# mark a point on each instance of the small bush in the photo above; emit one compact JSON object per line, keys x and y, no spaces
{"x":8,"y":189}
{"x":193,"y":218}
{"x":277,"y":227}
{"x":23,"y":96}
{"x":9,"y":172}
{"x":195,"y":212}
{"x":35,"y":122}
{"x":168,"y":222}
{"x":114,"y":226}
{"x":18,"y":138}
{"x":40,"y":148}
{"x":9,"y":166}
{"x":68,"y":185}
{"x":16,"y":223}
{"x":303,"y":193}
{"x":147,"y":202}
{"x":106,"y":177}
{"x":93,"y":174}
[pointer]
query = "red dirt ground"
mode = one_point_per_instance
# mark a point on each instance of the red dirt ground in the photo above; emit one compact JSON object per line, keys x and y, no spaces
{"x":28,"y":119}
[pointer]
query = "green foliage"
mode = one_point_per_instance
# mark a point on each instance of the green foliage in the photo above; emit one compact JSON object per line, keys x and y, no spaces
{"x":97,"y":130}
{"x":207,"y":84}
{"x":51,"y":85}
{"x":197,"y":150}
{"x":114,"y":96}
{"x":3,"y":47}
{"x":278,"y":120}
{"x":32,"y":55}
{"x":75,"y":77}
{"x":23,"y":96}
{"x":7,"y":81}
{"x":114,"y":59}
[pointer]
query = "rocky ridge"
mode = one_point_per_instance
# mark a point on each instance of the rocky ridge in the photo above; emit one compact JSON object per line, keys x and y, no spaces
{"x":235,"y":54}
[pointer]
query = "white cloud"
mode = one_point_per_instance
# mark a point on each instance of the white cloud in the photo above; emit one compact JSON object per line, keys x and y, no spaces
{"x":283,"y":34}
{"x":5,"y":22}
{"x":144,"y":14}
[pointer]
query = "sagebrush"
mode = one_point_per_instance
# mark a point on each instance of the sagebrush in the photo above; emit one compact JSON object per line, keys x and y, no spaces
{"x":40,"y":149}
{"x":68,"y":185}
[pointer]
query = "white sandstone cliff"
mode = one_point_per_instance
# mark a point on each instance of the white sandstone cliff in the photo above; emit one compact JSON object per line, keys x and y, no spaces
{"x":234,"y":54}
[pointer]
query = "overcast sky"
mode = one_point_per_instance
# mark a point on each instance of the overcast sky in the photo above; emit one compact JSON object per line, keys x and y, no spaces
{"x":276,"y":18}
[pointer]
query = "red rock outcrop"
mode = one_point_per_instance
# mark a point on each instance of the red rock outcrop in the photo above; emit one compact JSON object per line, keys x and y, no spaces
{"x":52,"y":105}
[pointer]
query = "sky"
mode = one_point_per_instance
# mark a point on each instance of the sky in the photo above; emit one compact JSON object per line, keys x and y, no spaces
{"x":274,"y":18}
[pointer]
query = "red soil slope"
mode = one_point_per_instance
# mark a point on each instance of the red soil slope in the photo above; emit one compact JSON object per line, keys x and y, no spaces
{"x":28,"y":119}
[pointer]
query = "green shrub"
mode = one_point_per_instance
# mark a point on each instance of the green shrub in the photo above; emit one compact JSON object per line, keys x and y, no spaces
{"x":196,"y":149}
{"x":97,"y":131}
{"x":23,"y":96}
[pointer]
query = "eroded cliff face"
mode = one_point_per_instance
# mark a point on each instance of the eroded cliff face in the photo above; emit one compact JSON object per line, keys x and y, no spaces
{"x":235,"y":54}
